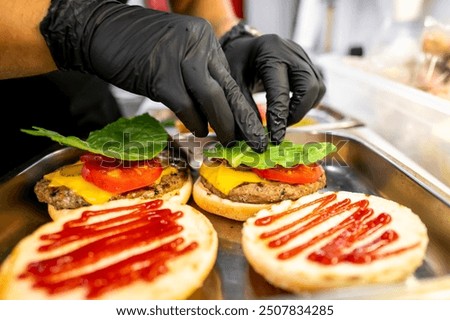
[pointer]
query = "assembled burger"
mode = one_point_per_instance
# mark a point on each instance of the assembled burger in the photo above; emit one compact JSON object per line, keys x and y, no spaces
{"x":236,"y":182}
{"x":127,"y":159}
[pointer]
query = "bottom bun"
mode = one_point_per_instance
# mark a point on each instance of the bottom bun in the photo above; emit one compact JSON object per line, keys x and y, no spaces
{"x":181,"y":196}
{"x":151,"y":249}
{"x":212,"y":203}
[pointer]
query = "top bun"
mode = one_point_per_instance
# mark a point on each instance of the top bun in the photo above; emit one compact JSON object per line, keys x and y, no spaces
{"x":128,"y":249}
{"x":299,"y":246}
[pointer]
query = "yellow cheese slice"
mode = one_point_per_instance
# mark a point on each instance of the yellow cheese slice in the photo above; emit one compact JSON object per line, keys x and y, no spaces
{"x":70,"y":177}
{"x":225,"y":178}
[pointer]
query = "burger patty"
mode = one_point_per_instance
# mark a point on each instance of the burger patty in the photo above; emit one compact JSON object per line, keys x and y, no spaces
{"x":64,"y":198}
{"x":268,"y":192}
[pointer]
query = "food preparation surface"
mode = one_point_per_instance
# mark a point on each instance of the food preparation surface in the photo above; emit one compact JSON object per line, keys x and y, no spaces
{"x":356,"y":166}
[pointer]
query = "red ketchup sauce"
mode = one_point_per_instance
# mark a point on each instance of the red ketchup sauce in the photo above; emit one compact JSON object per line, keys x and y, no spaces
{"x":360,"y":224}
{"x":142,"y":224}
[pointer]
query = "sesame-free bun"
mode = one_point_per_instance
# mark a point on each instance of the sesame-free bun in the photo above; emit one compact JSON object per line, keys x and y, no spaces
{"x":212,"y":203}
{"x":286,"y":258}
{"x":131,"y":260}
{"x":180,"y":195}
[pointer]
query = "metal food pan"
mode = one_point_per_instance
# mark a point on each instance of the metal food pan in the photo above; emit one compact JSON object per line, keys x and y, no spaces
{"x":357,"y":166}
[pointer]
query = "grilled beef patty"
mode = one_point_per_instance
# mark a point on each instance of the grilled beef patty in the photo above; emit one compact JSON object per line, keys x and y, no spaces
{"x":64,"y":198}
{"x":268,"y":192}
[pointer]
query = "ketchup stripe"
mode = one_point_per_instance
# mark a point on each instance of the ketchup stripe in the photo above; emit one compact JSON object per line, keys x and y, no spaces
{"x":351,"y":231}
{"x":81,"y":223}
{"x":139,"y":207}
{"x":146,"y":266}
{"x":138,"y":225}
{"x":102,"y":248}
{"x":155,"y":266}
{"x":342,"y":225}
{"x":316,"y":212}
{"x":272,"y":218}
{"x":334,"y":251}
{"x":323,"y":215}
{"x":70,"y":235}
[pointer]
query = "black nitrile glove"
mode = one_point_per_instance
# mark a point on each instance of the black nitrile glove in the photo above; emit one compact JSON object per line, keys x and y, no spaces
{"x":278,"y":66}
{"x":171,"y":58}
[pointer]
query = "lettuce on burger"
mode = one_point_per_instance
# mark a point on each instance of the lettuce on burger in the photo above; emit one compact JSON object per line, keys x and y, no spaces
{"x":236,"y":182}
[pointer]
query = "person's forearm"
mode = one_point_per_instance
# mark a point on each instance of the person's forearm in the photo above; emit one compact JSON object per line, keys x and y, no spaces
{"x":23,"y":51}
{"x":219,"y":13}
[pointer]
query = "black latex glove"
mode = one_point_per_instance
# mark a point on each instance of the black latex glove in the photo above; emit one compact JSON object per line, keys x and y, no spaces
{"x":171,"y":58}
{"x":278,"y":66}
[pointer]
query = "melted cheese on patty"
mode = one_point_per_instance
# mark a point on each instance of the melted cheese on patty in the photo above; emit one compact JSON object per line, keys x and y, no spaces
{"x":225,"y":178}
{"x":70,"y":177}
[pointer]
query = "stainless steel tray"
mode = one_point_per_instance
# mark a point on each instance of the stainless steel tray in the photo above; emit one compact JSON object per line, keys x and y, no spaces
{"x":357,"y":166}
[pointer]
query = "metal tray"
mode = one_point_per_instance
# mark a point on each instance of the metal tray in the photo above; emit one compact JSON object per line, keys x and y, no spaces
{"x":357,"y":166}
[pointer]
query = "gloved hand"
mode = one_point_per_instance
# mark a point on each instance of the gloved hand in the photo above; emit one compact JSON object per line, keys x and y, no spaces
{"x":279,"y":66}
{"x":171,"y":58}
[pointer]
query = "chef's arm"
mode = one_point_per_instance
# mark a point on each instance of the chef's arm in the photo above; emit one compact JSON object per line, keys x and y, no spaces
{"x":219,"y":13}
{"x":23,"y":51}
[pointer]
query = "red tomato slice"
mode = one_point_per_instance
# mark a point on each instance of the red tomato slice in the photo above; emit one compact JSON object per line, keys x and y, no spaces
{"x":117,"y":176}
{"x":300,"y":174}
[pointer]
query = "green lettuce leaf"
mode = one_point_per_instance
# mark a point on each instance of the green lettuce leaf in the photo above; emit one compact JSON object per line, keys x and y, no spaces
{"x":286,"y":154}
{"x":138,"y":138}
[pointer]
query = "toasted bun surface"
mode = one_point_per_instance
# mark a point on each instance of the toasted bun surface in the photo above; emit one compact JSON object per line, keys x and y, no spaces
{"x":175,"y":278}
{"x":230,"y":209}
{"x":181,"y":196}
{"x":291,"y":265}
